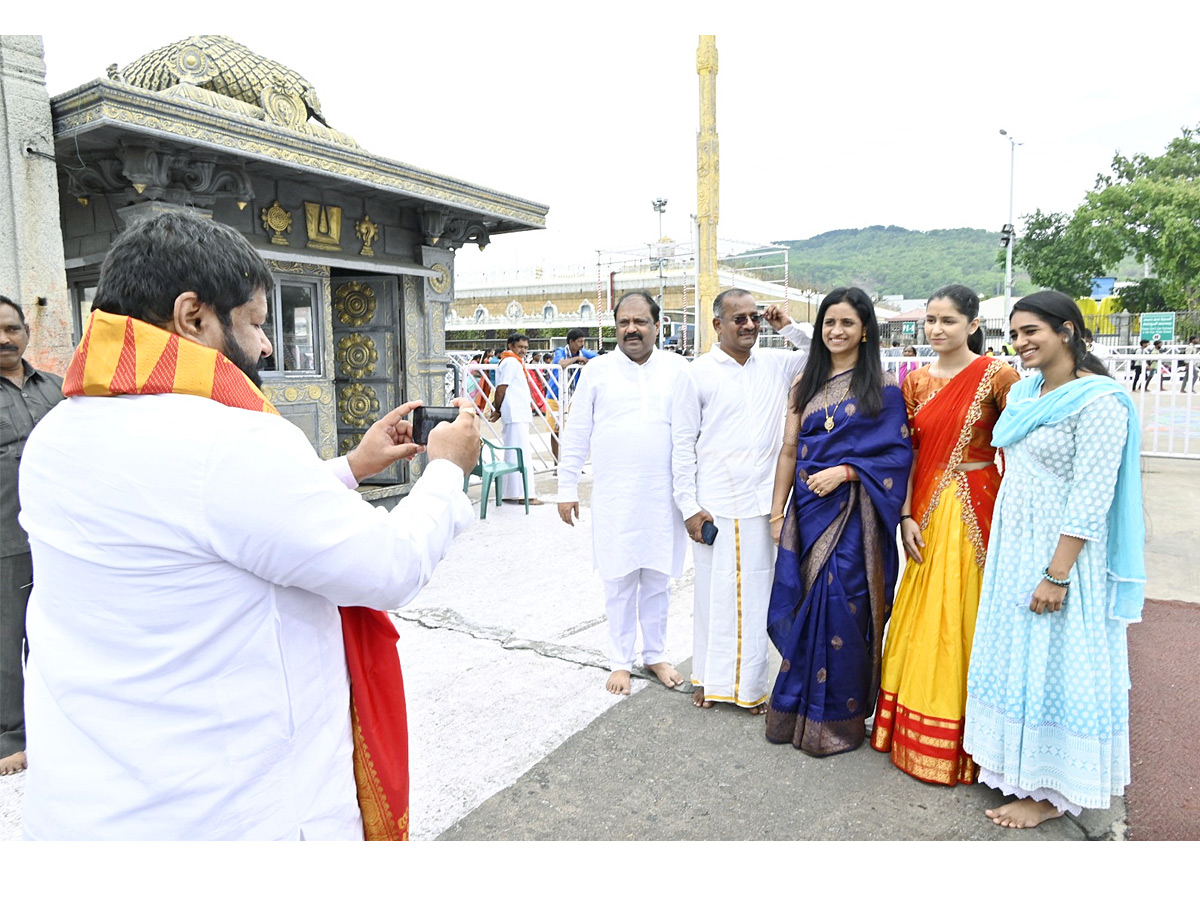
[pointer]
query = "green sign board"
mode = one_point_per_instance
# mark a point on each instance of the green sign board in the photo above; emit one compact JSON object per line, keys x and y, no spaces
{"x":1158,"y":326}
{"x":908,"y":327}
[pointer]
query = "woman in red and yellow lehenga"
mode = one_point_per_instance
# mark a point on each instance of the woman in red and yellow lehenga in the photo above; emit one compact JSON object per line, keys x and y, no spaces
{"x":952,"y":405}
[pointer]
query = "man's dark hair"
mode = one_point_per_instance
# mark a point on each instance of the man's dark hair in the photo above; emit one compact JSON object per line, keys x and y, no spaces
{"x":515,"y":337}
{"x":4,"y":301}
{"x":642,"y":295}
{"x":575,"y":334}
{"x":152,"y":263}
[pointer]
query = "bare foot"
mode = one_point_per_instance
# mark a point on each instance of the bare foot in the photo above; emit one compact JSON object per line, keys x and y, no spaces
{"x":760,"y":710}
{"x":698,"y":699}
{"x":1023,"y":813}
{"x":11,"y":765}
{"x":666,"y":674}
{"x":618,"y":683}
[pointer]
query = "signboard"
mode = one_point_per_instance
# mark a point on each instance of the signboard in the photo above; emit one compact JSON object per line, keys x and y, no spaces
{"x":1103,"y":288}
{"x":1158,"y":326}
{"x":908,"y":327}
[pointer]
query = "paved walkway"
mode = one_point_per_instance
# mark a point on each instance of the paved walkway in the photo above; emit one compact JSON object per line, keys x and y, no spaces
{"x":513,"y":736}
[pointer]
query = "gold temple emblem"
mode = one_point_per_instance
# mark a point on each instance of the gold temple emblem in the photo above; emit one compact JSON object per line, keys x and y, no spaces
{"x":276,"y":221}
{"x":358,"y":405}
{"x":367,"y":232}
{"x":354,"y":303}
{"x":324,"y":225}
{"x":441,"y":281}
{"x":356,"y":356}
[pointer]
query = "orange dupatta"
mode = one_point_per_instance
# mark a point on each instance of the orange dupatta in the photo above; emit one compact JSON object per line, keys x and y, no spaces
{"x":121,"y":355}
{"x":942,"y":430}
{"x":535,"y":388}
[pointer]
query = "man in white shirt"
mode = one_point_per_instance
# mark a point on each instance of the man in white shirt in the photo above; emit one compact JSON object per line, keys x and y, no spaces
{"x":187,"y":676}
{"x":621,"y":409}
{"x":513,"y":404}
{"x":727,"y":431}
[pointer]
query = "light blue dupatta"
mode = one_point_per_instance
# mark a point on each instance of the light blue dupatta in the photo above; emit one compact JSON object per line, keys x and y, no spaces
{"x":1025,"y":411}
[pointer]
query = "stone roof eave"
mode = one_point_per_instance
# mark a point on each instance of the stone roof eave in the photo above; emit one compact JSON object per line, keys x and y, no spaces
{"x":103,"y":103}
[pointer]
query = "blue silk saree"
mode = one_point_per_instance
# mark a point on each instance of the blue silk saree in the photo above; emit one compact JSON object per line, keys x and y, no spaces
{"x":835,"y":574}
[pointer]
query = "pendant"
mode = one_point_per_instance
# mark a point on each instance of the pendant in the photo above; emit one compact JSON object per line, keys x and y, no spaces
{"x":829,"y":423}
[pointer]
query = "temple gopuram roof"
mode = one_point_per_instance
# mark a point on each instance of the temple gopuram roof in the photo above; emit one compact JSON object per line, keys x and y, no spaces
{"x":211,"y":92}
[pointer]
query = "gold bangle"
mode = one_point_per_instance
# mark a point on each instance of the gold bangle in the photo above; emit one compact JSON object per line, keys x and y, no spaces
{"x":778,"y":517}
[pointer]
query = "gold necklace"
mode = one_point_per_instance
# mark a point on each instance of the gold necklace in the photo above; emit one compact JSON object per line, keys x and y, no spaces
{"x":829,"y":415}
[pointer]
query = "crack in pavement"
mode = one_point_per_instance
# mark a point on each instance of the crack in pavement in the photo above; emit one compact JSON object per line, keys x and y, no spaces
{"x":440,"y":617}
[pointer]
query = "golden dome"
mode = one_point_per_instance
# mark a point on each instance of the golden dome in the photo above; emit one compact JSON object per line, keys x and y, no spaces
{"x":223,"y":66}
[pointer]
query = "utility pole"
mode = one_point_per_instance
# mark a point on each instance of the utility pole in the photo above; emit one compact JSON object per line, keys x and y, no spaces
{"x":1008,"y":235}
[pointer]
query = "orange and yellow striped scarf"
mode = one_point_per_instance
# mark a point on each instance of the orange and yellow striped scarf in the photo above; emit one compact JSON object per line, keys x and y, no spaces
{"x":121,"y":355}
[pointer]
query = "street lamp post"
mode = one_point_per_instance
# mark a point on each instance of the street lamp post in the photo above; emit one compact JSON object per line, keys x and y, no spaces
{"x":1008,"y":233}
{"x":660,"y":206}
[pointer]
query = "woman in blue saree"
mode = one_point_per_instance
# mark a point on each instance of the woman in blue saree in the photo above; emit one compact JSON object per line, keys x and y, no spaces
{"x":845,"y":462}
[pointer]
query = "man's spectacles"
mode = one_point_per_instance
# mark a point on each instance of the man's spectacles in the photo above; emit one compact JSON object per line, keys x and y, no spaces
{"x":743,"y":318}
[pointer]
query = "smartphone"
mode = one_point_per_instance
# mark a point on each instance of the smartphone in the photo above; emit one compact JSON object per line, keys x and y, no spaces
{"x":708,"y":533}
{"x":426,"y":418}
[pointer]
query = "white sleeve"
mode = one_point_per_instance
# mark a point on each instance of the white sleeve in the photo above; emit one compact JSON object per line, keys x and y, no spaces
{"x":685,"y":431}
{"x":271,"y":508}
{"x":798,"y":336}
{"x":340,"y":467}
{"x":576,"y":437}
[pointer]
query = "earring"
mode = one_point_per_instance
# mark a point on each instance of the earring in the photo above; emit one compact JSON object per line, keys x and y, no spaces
{"x":864,"y":338}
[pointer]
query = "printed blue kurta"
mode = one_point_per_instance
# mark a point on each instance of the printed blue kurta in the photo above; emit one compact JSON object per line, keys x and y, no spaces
{"x":1048,"y":695}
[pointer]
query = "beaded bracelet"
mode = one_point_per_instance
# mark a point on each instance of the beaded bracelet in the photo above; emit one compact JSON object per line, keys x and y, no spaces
{"x":1050,"y":578}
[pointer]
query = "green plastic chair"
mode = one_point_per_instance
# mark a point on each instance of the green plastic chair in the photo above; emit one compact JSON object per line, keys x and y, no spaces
{"x":490,"y":471}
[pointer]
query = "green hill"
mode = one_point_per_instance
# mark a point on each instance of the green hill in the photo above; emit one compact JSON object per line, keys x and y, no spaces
{"x":893,"y":260}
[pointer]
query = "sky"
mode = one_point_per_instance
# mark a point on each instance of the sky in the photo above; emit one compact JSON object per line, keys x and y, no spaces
{"x":829,"y":116}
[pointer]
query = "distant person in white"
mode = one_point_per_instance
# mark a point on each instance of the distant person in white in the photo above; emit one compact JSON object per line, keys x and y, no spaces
{"x":727,"y":430}
{"x":187,"y":678}
{"x":513,"y":404}
{"x":621,"y":409}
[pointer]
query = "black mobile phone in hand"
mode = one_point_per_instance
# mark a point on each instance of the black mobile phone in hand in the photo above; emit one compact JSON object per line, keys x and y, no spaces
{"x":426,"y":418}
{"x":708,"y":533}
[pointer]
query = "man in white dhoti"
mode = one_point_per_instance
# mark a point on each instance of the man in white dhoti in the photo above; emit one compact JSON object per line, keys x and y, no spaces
{"x":188,"y":676}
{"x":621,"y":409}
{"x":727,"y":429}
{"x":513,"y":404}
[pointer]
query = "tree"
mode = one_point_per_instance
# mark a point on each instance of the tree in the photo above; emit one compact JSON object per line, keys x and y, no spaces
{"x":1150,"y":206}
{"x":1056,"y":254}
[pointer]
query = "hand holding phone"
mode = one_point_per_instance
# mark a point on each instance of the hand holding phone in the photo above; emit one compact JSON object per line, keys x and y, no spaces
{"x":708,"y":533}
{"x":426,"y":418}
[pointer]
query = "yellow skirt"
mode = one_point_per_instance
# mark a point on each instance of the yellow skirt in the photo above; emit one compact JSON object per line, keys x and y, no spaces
{"x":923,"y":688}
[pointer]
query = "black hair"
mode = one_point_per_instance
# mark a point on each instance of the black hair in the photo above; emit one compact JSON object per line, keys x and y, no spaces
{"x":1056,"y":309}
{"x":966,"y":301}
{"x":4,"y":301}
{"x":867,"y":381}
{"x":719,"y":300}
{"x":644,"y":296}
{"x":517,"y":337}
{"x":152,"y":263}
{"x":575,"y":334}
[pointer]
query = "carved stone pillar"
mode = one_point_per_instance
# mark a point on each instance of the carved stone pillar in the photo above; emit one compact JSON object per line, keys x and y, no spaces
{"x":31,"y":253}
{"x":425,"y":303}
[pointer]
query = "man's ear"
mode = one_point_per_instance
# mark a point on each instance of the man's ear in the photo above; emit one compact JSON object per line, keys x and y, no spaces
{"x":188,"y":317}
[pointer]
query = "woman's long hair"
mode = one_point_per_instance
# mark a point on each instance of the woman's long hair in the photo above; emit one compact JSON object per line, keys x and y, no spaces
{"x":1056,"y":309}
{"x":966,"y":301}
{"x":866,"y":384}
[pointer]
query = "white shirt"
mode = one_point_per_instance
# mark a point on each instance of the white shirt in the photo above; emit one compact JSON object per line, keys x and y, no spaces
{"x":187,"y":678}
{"x":622,"y":410}
{"x":728,"y":428}
{"x":517,"y":401}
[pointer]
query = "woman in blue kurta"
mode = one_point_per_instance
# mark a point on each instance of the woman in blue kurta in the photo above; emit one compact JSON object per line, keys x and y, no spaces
{"x":844,"y":463}
{"x":1047,"y":716}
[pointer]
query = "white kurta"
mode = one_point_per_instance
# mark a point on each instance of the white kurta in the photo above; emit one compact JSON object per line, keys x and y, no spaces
{"x":726,"y":433}
{"x":516,"y":414}
{"x":623,"y":410}
{"x":187,"y":678}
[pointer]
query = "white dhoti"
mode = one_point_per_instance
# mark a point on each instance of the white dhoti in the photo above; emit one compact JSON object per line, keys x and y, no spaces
{"x":733,"y":591}
{"x":516,"y":434}
{"x":641,"y":596}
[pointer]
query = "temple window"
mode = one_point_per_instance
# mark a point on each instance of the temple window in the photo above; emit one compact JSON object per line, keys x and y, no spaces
{"x":293,"y":326}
